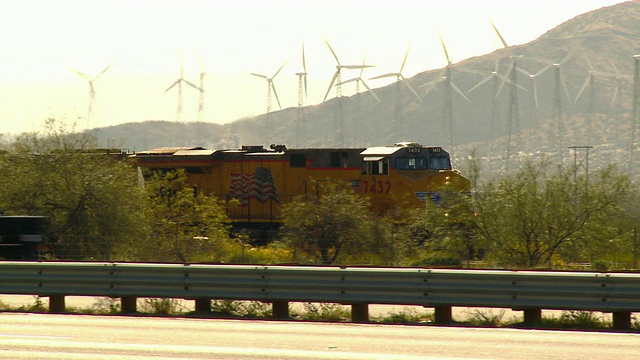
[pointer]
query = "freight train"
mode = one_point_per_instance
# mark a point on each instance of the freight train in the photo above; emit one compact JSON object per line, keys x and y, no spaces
{"x":396,"y":177}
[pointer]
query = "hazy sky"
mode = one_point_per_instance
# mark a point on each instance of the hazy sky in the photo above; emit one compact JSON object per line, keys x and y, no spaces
{"x":144,"y":40}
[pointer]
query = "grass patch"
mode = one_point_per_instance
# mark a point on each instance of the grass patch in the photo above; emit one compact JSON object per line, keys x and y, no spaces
{"x":161,"y":306}
{"x":578,"y":320}
{"x":479,"y":317}
{"x":325,"y":312}
{"x":408,"y":316}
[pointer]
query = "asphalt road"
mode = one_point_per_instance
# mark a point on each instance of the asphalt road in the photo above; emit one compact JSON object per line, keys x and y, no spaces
{"x":47,"y":336}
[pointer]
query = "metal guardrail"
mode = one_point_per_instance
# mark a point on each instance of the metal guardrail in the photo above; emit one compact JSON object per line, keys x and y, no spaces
{"x":442,"y":289}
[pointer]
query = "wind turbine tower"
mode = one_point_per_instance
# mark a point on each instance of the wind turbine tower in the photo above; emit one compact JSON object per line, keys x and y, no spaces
{"x":178,"y":84}
{"x":590,"y":82}
{"x":302,"y":94}
{"x":92,"y":90}
{"x":271,"y":88}
{"x":203,"y":74}
{"x":337,"y":80}
{"x":558,"y":115}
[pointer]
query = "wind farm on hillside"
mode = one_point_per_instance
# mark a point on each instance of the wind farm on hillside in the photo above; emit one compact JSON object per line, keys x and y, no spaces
{"x":576,"y":85}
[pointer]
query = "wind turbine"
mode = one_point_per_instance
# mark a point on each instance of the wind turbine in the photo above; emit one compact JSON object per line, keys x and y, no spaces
{"x":92,"y":89}
{"x":496,"y":78}
{"x":203,"y":74}
{"x":448,"y":123}
{"x":337,"y":80}
{"x":359,"y":80}
{"x":513,"y":115}
{"x":559,"y":84}
{"x":400,"y":81}
{"x":178,"y":84}
{"x":337,"y":76}
{"x":590,"y":82}
{"x":271,"y":87}
{"x":617,"y":106}
{"x":302,"y":94}
{"x":534,"y":104}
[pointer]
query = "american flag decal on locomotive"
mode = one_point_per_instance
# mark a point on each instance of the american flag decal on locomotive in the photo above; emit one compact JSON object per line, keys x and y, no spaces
{"x":258,"y":185}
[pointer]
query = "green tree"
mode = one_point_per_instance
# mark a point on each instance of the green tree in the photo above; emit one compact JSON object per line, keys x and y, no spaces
{"x":445,"y":228}
{"x":529,"y":218}
{"x":90,"y":198}
{"x":337,"y":227}
{"x":185,"y":226}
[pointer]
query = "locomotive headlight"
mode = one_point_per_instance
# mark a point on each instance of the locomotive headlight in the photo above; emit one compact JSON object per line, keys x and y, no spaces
{"x":446,"y":180}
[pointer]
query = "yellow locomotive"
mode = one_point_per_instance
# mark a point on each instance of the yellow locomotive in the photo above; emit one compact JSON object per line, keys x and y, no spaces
{"x":263,"y":180}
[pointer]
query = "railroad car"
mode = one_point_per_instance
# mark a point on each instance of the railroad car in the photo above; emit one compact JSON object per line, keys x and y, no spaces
{"x":396,"y":177}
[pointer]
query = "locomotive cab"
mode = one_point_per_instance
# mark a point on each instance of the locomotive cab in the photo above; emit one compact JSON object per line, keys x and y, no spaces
{"x":407,"y":173}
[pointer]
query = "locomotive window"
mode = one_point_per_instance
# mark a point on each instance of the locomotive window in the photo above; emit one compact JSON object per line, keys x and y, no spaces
{"x":419,"y":163}
{"x":380,"y":167}
{"x":298,"y":160}
{"x":334,"y":160}
{"x":439,"y":163}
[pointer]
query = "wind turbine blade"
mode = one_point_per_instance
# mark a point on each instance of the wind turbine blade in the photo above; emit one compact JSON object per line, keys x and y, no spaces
{"x":535,"y":93}
{"x":505,"y":79}
{"x":523,"y":71}
{"x":332,"y":52}
{"x":193,"y":85}
{"x":172,"y":85}
{"x":482,"y":82}
{"x":385,"y":75}
{"x":364,"y":62}
{"x":259,"y":75}
{"x":277,"y":72}
{"x":584,"y":86}
{"x":102,"y":72}
{"x":304,"y":61}
{"x":615,"y":94}
{"x":586,"y":56}
{"x":405,"y":82}
{"x":566,"y":58}
{"x":275,"y":93}
{"x":349,"y":81}
{"x":504,"y":43}
{"x":444,"y":48}
{"x":79,"y":73}
{"x":543,"y":70}
{"x":370,"y":91}
{"x":406,"y":55}
{"x":353,"y":67}
{"x":459,"y":91}
{"x":335,"y":76}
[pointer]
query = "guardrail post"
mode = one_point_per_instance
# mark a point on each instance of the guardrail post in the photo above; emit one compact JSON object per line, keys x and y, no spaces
{"x":443,"y":315}
{"x":360,"y":312}
{"x":622,"y":320}
{"x":56,"y":303}
{"x":203,"y":305}
{"x":129,"y":304}
{"x":532,"y":316}
{"x":280,"y":309}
